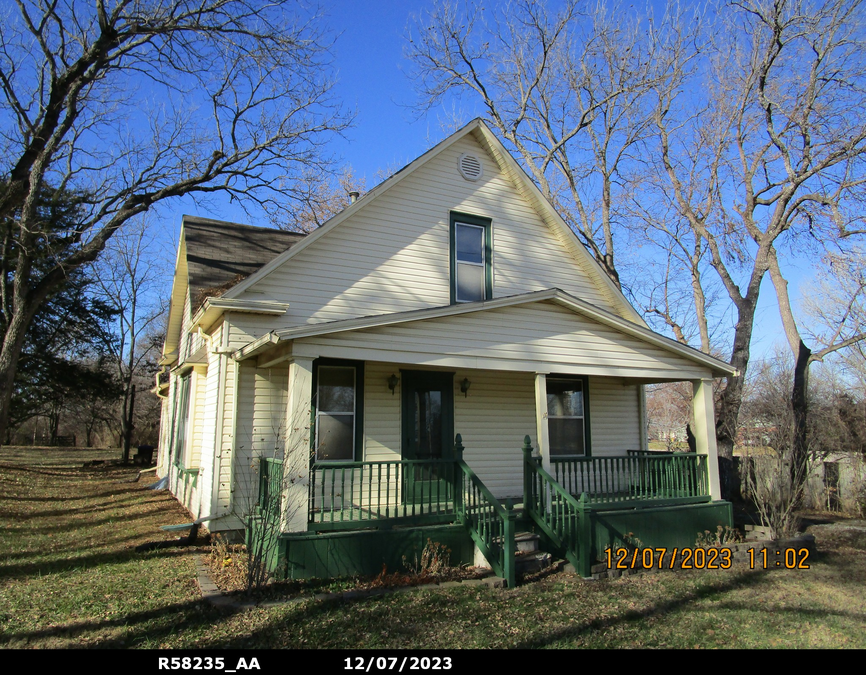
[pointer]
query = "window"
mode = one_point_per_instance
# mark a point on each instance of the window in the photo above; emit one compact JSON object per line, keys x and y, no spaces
{"x":337,"y":401}
{"x":180,"y":419}
{"x":567,"y":419}
{"x":471,"y":249}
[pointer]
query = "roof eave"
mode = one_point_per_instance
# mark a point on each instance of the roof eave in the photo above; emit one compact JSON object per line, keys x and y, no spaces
{"x":717,"y":367}
{"x":213,"y":308}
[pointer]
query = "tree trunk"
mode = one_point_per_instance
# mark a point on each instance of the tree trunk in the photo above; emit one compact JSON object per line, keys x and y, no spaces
{"x":731,"y":401}
{"x":54,"y":419}
{"x":13,"y":342}
{"x":800,"y":407}
{"x":128,"y":426}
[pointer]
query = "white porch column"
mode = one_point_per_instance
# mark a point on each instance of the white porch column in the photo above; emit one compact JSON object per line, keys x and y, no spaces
{"x":541,"y":432}
{"x":296,"y":461}
{"x":705,"y":431}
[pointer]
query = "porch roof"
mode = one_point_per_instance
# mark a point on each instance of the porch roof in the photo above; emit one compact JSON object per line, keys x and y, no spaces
{"x":496,"y":313}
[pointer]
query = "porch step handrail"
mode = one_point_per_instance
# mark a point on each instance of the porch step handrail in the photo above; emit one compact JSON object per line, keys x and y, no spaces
{"x":490,"y":525}
{"x":557,"y":513}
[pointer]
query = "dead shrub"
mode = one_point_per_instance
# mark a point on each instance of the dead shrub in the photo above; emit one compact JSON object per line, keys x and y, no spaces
{"x":774,"y":488}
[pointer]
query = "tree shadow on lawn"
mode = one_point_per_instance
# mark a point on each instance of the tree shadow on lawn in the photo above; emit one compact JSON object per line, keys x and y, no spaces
{"x":76,"y":517}
{"x":410,"y":630}
{"x":169,"y":620}
{"x":102,"y":494}
{"x":32,"y":569}
{"x":753,"y":580}
{"x":119,"y":520}
{"x":62,"y":471}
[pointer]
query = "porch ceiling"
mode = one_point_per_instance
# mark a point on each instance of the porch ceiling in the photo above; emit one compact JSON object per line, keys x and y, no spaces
{"x":545,"y":331}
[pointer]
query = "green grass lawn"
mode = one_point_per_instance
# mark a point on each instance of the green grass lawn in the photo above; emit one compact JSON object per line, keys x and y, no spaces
{"x":69,"y":576}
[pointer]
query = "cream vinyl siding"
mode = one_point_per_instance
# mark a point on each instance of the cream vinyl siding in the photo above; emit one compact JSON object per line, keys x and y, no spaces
{"x":493,"y":418}
{"x":197,"y":419}
{"x":209,"y":437}
{"x":247,"y":327}
{"x":534,"y":337}
{"x":166,"y":430}
{"x":162,"y":443}
{"x":382,"y":414}
{"x":394,"y":254}
{"x":614,"y":416}
{"x":224,"y":463}
{"x":184,"y":349}
{"x":261,"y":429}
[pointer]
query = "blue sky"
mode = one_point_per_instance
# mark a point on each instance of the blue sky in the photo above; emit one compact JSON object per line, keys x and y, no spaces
{"x":373,"y":82}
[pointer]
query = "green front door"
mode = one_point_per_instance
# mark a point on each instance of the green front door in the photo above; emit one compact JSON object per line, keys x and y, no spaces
{"x":428,"y":433}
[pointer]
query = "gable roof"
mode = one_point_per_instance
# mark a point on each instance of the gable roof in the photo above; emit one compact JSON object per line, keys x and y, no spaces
{"x":213,"y":255}
{"x":507,"y":165}
{"x":576,"y":305}
{"x":220,"y":253}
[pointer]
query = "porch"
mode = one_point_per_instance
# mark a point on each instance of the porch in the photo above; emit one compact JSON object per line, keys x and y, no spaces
{"x":581,"y":506}
{"x":371,"y":407}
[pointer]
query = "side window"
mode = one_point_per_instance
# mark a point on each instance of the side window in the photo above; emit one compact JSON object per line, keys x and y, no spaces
{"x":567,"y":421}
{"x":471,"y":253}
{"x":338,"y":397}
{"x":180,"y":420}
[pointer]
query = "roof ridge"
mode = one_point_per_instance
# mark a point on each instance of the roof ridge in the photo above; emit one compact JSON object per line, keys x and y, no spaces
{"x":200,"y":220}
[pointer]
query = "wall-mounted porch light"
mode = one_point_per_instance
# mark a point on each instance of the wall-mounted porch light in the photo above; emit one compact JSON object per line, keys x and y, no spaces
{"x":464,"y":387}
{"x":392,"y":383}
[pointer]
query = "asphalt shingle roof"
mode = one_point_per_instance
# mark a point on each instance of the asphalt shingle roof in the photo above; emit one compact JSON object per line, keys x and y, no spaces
{"x":219,"y":254}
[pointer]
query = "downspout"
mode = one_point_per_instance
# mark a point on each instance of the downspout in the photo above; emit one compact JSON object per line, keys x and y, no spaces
{"x":156,"y":377}
{"x":208,"y":339}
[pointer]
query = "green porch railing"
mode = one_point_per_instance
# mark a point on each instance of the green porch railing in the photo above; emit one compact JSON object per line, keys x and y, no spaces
{"x":645,"y":478}
{"x":491,"y":526}
{"x":556,"y":512}
{"x":356,"y":495}
{"x":270,"y":486}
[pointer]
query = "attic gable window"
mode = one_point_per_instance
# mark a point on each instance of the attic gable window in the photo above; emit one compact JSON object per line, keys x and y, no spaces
{"x":471,"y":253}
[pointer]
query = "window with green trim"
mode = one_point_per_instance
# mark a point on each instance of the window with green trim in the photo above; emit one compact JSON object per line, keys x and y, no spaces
{"x":180,"y":419}
{"x":471,"y":258}
{"x":567,"y":418}
{"x":337,"y":398}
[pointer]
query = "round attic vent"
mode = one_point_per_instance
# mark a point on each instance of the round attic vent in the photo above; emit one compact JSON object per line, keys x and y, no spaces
{"x":470,"y":167}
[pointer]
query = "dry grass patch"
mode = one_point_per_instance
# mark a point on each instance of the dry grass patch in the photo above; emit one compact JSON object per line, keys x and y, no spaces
{"x":69,"y":573}
{"x":69,"y":576}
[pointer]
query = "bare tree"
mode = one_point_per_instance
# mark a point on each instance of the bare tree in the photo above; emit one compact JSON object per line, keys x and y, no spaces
{"x":128,"y":280}
{"x":568,"y":91}
{"x":321,"y":199}
{"x":119,"y":105}
{"x":835,"y":308}
{"x":762,"y":142}
{"x":668,"y":410}
{"x":838,"y":311}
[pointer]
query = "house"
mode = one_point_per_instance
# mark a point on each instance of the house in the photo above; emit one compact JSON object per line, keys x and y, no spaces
{"x":439,"y":351}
